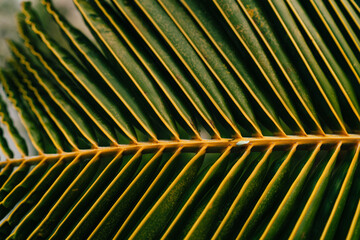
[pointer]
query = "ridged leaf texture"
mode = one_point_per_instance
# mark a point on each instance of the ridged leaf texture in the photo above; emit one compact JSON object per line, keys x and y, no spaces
{"x":183,"y":119}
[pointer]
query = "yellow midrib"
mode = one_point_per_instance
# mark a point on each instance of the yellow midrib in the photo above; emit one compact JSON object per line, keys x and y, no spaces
{"x":210,"y":143}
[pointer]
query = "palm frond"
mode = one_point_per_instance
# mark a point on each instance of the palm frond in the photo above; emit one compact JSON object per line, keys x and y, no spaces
{"x":185,"y":119}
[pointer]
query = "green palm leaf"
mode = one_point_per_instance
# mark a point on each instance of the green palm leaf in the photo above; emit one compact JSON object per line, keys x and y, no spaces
{"x":224,"y":119}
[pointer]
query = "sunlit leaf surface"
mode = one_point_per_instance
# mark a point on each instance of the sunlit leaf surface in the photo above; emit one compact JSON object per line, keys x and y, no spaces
{"x":183,"y":119}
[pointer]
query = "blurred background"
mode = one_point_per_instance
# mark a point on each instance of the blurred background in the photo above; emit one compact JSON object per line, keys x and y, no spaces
{"x":8,"y":10}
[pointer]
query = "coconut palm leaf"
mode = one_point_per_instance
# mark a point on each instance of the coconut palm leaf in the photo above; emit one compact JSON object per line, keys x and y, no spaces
{"x":181,"y":119}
